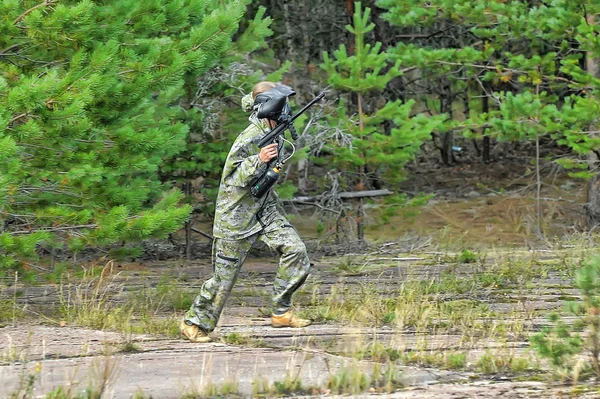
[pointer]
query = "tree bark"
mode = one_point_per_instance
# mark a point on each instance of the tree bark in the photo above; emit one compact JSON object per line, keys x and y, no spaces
{"x":289,"y":31}
{"x":447,"y":139}
{"x":485,"y":108}
{"x":188,"y":227}
{"x":360,"y":214}
{"x":350,"y":11}
{"x":305,"y":22}
{"x":592,"y":208}
{"x":302,"y":175}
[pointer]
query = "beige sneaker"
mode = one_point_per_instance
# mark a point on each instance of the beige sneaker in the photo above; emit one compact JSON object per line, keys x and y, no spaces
{"x":288,"y":319}
{"x":193,"y":332}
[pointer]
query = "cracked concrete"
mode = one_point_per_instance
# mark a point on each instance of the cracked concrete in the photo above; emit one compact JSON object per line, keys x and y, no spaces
{"x":163,"y":367}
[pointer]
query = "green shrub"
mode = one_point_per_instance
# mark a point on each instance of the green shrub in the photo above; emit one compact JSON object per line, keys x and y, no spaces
{"x":573,"y":350}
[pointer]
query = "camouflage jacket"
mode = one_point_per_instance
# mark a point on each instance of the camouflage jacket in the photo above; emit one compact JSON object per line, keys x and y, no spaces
{"x":238,"y":214}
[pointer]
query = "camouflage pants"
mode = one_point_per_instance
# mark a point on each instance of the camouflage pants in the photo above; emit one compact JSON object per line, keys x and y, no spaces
{"x":228,"y":257}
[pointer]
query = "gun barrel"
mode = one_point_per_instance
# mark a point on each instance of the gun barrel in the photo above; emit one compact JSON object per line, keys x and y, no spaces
{"x":307,"y":106}
{"x":279,"y":129}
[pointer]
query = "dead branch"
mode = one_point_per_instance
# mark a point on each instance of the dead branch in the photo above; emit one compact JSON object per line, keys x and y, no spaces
{"x":195,"y":230}
{"x":344,"y":195}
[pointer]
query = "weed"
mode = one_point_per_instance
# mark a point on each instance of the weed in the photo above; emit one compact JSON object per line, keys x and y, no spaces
{"x":412,"y":305}
{"x":11,"y":354}
{"x":166,"y":296}
{"x":149,"y":323}
{"x":351,"y":266}
{"x":129,"y":347}
{"x":467,"y":256}
{"x":563,"y":344}
{"x":90,"y":305}
{"x":236,"y":339}
{"x":385,"y":380}
{"x":174,"y":297}
{"x":103,"y":371}
{"x":502,"y":363}
{"x":66,"y":393}
{"x":290,"y":386}
{"x":260,"y":386}
{"x":438,"y":359}
{"x":378,"y":352}
{"x":456,"y":361}
{"x":27,"y":381}
{"x":10,"y":311}
{"x":348,"y":380}
{"x":352,"y":380}
{"x":228,"y":389}
{"x":141,"y":395}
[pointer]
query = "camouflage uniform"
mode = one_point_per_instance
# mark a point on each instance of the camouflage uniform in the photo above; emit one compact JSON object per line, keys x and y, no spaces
{"x":240,"y":220}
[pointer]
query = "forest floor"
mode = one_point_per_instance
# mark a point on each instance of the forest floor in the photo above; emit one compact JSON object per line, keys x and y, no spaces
{"x":442,"y":305}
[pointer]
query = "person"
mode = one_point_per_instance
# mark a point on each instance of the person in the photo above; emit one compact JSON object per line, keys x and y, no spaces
{"x":240,"y":220}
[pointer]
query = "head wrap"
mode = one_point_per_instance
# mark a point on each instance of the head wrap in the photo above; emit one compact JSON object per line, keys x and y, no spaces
{"x":247,"y":102}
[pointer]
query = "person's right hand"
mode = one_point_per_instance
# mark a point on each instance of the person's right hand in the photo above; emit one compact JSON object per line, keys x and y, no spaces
{"x":268,"y":152}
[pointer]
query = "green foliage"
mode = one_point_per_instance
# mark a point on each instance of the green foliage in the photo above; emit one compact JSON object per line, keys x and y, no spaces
{"x":348,"y":380}
{"x":467,"y":256}
{"x":91,"y":109}
{"x":288,"y":386}
{"x":286,"y":190}
{"x":528,"y":59}
{"x":384,"y":139}
{"x":564,"y":345}
{"x":441,"y":359}
{"x":236,"y":339}
{"x":362,"y":72}
{"x":229,"y":388}
{"x":502,"y":363}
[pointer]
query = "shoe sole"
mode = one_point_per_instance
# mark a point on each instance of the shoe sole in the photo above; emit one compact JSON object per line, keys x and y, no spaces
{"x":197,"y":340}
{"x":201,"y":340}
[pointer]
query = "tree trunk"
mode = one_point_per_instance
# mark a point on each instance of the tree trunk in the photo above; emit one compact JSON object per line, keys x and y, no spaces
{"x":485,"y":108}
{"x":188,"y":227}
{"x":363,"y":179}
{"x":350,"y":11}
{"x":486,"y":149}
{"x":305,"y":20}
{"x":289,"y":31}
{"x":302,"y":175}
{"x":360,"y":231}
{"x":592,"y":208}
{"x":447,"y":139}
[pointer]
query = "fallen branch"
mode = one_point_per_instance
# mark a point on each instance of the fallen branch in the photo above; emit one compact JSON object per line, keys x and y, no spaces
{"x":318,"y":206}
{"x":345,"y":195}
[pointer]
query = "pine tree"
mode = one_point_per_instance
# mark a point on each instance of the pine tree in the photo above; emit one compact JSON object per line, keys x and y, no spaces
{"x":90,"y":110}
{"x":533,"y":60}
{"x":375,"y":156}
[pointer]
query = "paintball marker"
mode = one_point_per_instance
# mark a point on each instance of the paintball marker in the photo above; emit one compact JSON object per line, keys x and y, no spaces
{"x":274,"y":105}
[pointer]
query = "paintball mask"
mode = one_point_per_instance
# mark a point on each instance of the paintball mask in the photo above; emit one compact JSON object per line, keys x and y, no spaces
{"x":274,"y":105}
{"x":271,"y":104}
